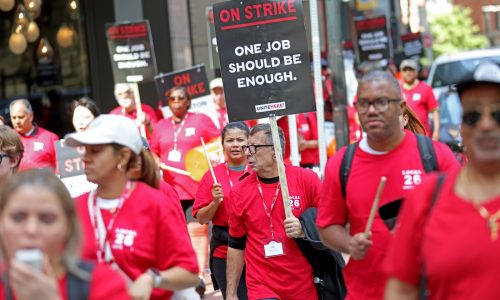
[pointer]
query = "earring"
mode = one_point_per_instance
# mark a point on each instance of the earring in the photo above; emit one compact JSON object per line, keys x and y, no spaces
{"x":119,"y":167}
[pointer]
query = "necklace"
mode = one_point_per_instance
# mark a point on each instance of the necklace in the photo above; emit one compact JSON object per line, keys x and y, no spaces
{"x":492,"y":219}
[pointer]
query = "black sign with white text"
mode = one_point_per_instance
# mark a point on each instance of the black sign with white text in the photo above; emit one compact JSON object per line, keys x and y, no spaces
{"x":372,"y":40}
{"x":131,"y":51}
{"x":264,"y":58}
{"x":412,"y":45}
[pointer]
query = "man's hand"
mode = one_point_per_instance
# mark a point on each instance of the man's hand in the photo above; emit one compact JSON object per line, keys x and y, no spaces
{"x":217,"y":193}
{"x":293,"y":228}
{"x":141,"y":288}
{"x":359,"y":245}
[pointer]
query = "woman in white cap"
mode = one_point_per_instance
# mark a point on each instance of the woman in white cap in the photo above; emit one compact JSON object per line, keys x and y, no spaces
{"x":126,"y":223}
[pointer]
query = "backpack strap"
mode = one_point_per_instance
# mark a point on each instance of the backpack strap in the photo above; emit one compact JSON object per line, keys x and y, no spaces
{"x":427,"y":153}
{"x":78,"y":288}
{"x":345,"y":166}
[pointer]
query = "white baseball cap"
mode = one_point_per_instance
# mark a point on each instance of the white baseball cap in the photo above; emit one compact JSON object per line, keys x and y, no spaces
{"x":108,"y":129}
{"x":216,"y":82}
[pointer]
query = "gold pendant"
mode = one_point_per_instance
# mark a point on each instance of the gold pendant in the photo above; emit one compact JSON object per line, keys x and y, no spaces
{"x":492,"y":222}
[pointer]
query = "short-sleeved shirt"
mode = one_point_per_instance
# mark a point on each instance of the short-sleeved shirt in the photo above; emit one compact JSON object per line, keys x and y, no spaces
{"x":307,"y":125}
{"x":288,"y":276}
{"x":148,"y":110}
{"x":403,"y":169}
{"x":194,"y":127}
{"x":452,"y":240}
{"x":226,"y":178}
{"x":147,"y":233}
{"x":39,"y":149}
{"x":422,"y":100}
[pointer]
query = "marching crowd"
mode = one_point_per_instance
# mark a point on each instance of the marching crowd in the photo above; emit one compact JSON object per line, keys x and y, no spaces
{"x":143,"y":232}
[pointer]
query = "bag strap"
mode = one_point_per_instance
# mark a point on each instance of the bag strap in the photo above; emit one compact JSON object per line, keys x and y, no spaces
{"x":78,"y":288}
{"x":345,"y":166}
{"x":427,"y":153}
{"x":424,"y":292}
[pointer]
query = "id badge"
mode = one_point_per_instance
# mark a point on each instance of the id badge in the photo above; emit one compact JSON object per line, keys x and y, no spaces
{"x":174,"y":156}
{"x":273,"y":247}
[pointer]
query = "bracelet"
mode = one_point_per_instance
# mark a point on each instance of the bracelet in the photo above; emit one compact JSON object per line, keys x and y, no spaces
{"x":157,"y":279}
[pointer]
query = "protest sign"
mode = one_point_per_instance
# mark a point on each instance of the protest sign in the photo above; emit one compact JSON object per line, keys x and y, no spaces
{"x":131,"y":51}
{"x":412,"y":45}
{"x":196,"y":83}
{"x":212,"y":40}
{"x":372,"y":40}
{"x":71,"y":169}
{"x":264,"y":58}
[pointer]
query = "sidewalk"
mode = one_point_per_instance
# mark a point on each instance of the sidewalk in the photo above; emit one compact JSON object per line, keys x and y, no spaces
{"x":210,"y":294}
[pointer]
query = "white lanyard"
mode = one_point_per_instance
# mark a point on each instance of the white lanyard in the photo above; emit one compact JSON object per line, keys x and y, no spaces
{"x":178,"y":130}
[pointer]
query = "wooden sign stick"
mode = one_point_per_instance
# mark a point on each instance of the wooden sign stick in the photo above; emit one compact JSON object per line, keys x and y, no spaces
{"x":138,"y":107}
{"x":373,"y":211}
{"x":208,"y":160}
{"x":281,"y":166}
{"x":175,"y":170}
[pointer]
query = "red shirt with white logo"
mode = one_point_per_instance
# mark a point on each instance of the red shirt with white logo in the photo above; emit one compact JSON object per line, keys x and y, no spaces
{"x":227,"y":178}
{"x":190,"y":130}
{"x":39,"y":149}
{"x":105,"y":284}
{"x":307,"y":126}
{"x":403,"y":169}
{"x":148,"y":232}
{"x":422,"y":100}
{"x":433,"y":238}
{"x":287,"y":276}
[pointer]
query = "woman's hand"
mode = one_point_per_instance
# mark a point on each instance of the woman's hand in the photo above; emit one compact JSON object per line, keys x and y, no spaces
{"x":29,"y":283}
{"x":217,"y":193}
{"x":141,"y":288}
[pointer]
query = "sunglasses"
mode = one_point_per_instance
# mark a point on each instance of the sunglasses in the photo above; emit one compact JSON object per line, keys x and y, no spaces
{"x":252,"y":149}
{"x":472,"y":116}
{"x":172,"y":98}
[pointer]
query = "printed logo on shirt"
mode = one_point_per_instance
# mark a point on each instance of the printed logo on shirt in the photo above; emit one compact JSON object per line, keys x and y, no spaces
{"x":123,"y":238}
{"x":190,"y":131}
{"x":38,"y":146}
{"x":411,"y":178}
{"x":295,"y":202}
{"x":417,"y":97}
{"x":305,"y":127}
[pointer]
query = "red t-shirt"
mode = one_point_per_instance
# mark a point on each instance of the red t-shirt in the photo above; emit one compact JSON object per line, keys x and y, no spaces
{"x":39,"y":149}
{"x":222,"y":117}
{"x":403,"y":169}
{"x":148,"y":110}
{"x":288,"y":276}
{"x":204,"y":198}
{"x":307,"y":125}
{"x":148,"y":233}
{"x":190,"y":130}
{"x":422,"y":100}
{"x":453,"y":241}
{"x":105,"y":284}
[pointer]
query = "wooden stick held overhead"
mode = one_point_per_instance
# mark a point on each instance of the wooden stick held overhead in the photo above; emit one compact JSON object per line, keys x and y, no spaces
{"x":373,"y":211}
{"x":175,"y":170}
{"x":208,"y":160}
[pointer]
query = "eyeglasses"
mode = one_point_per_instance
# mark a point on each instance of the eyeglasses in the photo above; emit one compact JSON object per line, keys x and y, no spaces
{"x":253,"y":148}
{"x":380,"y":104}
{"x":2,"y":157}
{"x":472,"y":116}
{"x":172,"y":98}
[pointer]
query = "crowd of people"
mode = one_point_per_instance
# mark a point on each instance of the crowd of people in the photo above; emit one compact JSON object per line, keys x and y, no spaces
{"x":149,"y":229}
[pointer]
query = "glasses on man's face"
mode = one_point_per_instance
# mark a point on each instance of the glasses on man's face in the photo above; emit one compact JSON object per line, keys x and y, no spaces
{"x":252,"y":149}
{"x":380,"y":104}
{"x":173,"y":98}
{"x":472,"y":116}
{"x":2,"y":157}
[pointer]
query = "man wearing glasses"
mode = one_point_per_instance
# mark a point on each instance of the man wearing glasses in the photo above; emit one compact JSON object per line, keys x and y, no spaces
{"x":386,"y":150}
{"x":260,"y":235}
{"x":124,"y":95}
{"x":465,"y":214}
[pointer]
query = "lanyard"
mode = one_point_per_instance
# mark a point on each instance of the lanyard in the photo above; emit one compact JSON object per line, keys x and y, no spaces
{"x":229,"y":177}
{"x":101,"y":242}
{"x":178,"y":130}
{"x":267,"y":210}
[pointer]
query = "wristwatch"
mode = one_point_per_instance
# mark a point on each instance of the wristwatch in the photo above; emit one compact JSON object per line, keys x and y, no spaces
{"x":157,"y":279}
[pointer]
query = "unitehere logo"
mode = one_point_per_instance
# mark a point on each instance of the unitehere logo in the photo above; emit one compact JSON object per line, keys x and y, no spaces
{"x":270,"y":107}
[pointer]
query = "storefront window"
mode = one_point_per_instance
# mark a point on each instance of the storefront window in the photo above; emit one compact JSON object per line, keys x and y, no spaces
{"x":43,"y":57}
